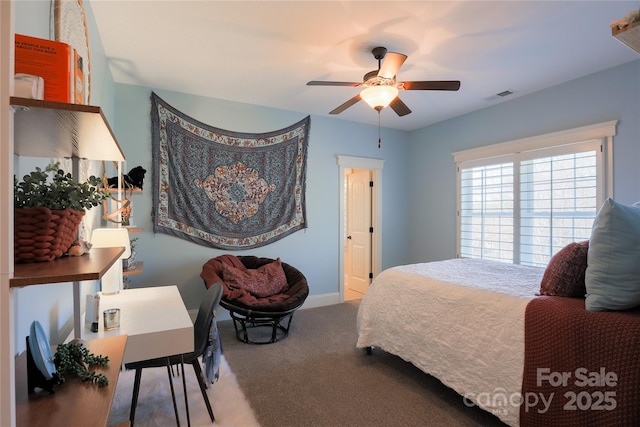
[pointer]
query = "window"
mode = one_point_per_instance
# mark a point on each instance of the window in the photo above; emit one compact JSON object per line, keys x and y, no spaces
{"x":486,"y":212}
{"x":522,"y":201}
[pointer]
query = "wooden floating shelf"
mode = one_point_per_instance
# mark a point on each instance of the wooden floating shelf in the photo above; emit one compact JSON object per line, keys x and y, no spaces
{"x":629,"y":35}
{"x":66,"y":269}
{"x":127,"y":190}
{"x":137,"y":268}
{"x":58,"y":129}
{"x":74,"y":403}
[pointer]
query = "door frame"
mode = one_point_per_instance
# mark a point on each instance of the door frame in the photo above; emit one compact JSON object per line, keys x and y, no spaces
{"x":375,"y":166}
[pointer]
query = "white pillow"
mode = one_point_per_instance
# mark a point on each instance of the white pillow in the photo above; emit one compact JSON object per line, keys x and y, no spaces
{"x":612,"y":277}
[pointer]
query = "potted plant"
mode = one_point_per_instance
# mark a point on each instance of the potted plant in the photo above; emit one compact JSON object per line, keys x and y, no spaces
{"x":48,"y":212}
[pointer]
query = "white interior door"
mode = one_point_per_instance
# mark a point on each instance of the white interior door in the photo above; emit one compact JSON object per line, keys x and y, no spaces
{"x":358,"y":255}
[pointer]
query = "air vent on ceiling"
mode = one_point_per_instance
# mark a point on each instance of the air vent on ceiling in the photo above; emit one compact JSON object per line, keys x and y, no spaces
{"x":504,"y":93}
{"x":500,"y":96}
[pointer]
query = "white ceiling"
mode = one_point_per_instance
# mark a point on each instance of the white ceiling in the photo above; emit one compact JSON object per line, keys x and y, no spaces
{"x":264,"y":52}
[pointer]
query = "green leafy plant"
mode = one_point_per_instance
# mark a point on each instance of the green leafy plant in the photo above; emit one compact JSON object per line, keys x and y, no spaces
{"x":133,"y":242}
{"x":74,"y":358}
{"x":59,"y":192}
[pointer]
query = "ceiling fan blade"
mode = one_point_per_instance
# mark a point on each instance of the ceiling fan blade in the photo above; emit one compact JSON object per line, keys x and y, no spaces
{"x":433,"y":85}
{"x":346,"y":105}
{"x":399,"y":107}
{"x":323,"y":83}
{"x":391,"y":64}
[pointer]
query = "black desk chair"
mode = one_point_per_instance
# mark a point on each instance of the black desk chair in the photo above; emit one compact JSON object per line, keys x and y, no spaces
{"x":202,"y":330}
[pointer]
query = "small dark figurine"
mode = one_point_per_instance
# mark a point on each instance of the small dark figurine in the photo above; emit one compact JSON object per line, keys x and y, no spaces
{"x":134,"y":178}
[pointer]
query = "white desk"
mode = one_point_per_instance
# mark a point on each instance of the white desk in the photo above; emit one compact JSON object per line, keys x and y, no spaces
{"x":155,"y":320}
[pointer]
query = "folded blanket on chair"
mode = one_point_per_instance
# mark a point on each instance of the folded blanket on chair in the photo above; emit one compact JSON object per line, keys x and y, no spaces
{"x":211,"y":356}
{"x":212,"y":273}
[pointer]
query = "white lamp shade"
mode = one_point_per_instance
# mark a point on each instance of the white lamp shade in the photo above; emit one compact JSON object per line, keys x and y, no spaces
{"x":379,"y":96}
{"x":112,"y":237}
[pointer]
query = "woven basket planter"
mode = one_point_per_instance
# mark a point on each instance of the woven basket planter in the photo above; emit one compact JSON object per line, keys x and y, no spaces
{"x":42,"y":235}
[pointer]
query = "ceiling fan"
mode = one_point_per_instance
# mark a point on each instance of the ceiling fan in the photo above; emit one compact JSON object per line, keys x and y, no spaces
{"x":380,"y":88}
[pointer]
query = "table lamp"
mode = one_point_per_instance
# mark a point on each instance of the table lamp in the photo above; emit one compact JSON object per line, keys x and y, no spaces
{"x":107,"y":238}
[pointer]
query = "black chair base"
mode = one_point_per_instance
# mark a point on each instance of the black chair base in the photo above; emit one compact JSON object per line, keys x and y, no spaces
{"x":170,"y":361}
{"x":136,"y":391}
{"x":259,"y":327}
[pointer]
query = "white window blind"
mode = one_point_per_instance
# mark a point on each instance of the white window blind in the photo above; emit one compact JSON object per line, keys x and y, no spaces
{"x":558,"y":202}
{"x":486,"y":212}
{"x":523,"y":206}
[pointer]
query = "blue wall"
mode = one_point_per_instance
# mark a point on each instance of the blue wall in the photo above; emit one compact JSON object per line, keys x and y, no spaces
{"x":314,"y":251}
{"x":613,"y":94}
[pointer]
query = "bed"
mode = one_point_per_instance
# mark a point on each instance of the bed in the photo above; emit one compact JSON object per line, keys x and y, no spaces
{"x":460,"y":320}
{"x":470,"y":322}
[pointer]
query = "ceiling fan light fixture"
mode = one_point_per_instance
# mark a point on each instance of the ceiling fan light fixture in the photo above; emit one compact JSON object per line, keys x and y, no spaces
{"x":379,"y":97}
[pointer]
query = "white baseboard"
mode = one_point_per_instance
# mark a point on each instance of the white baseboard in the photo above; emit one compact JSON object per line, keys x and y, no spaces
{"x":312,"y":301}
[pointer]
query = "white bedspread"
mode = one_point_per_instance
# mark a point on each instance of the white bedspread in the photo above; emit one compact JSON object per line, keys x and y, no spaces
{"x":460,"y":320}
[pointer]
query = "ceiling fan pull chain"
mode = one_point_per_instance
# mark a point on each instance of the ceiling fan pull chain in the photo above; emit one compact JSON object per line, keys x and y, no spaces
{"x":379,"y":139}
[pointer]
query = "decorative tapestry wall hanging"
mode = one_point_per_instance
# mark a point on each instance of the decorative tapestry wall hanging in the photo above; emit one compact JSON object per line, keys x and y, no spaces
{"x":222,"y":189}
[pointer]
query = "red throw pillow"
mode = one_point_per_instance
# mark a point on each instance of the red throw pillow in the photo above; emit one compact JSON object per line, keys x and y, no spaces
{"x":263,"y":281}
{"x":565,"y":272}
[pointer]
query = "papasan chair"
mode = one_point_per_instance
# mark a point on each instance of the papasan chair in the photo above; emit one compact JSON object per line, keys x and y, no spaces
{"x":261,"y":294}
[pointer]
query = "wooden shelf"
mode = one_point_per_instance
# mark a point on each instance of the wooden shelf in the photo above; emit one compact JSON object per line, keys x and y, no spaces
{"x":66,"y":269}
{"x":138,"y":267}
{"x":57,"y":129}
{"x":630,"y":35}
{"x":74,"y":403}
{"x":49,"y":129}
{"x":127,"y":190}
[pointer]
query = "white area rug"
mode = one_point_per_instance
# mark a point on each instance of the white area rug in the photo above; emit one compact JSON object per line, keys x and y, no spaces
{"x":230,"y":407}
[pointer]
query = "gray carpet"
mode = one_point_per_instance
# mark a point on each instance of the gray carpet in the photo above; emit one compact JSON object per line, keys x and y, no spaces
{"x":316,"y":377}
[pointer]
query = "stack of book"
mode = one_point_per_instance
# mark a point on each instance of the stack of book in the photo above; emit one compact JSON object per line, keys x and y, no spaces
{"x":48,"y":69}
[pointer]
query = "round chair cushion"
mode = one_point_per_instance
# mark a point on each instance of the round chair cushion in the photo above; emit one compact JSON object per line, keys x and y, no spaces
{"x":289,"y":299}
